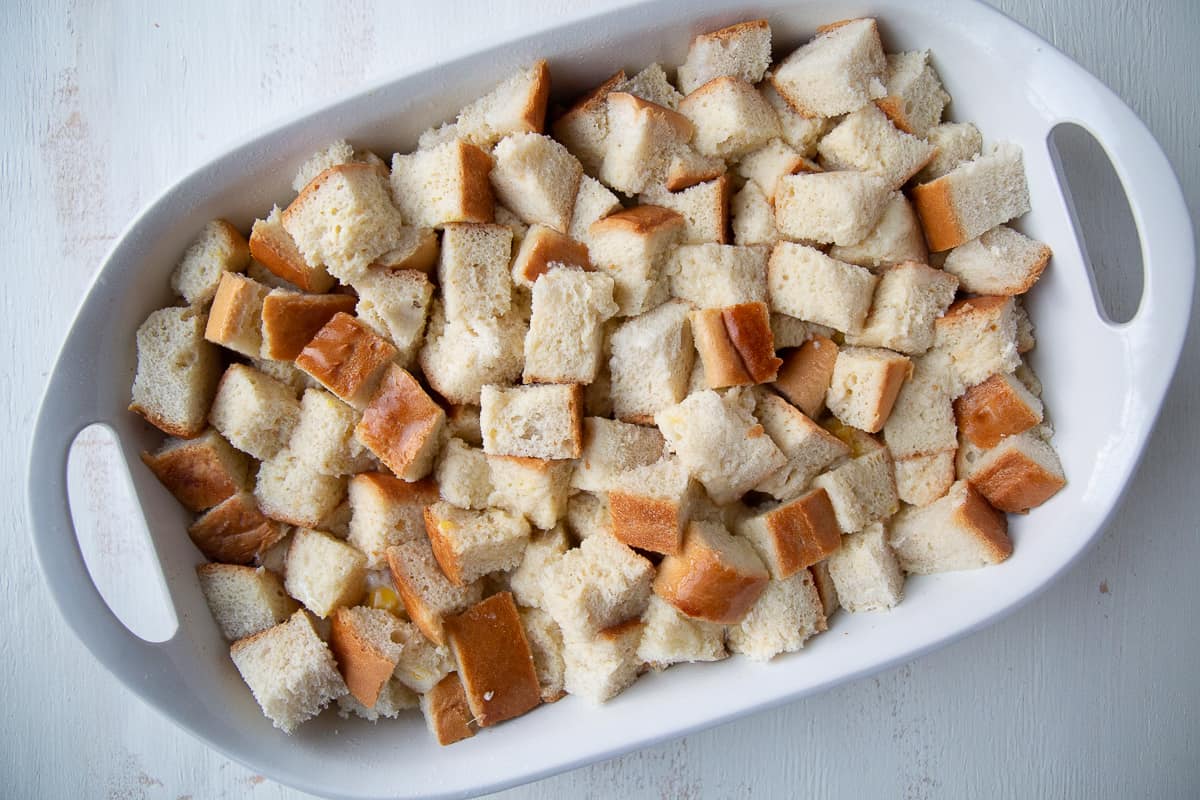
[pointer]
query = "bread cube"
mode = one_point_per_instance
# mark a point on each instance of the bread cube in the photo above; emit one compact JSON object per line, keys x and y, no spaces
{"x":324,"y":573}
{"x":864,"y":386}
{"x":495,"y":664}
{"x":915,"y":98}
{"x":742,"y":51}
{"x":347,"y":358}
{"x":633,"y":247}
{"x":973,"y":198}
{"x":794,"y":535}
{"x":177,"y":372}
{"x":323,"y":438}
{"x":687,"y":169}
{"x":534,"y":488}
{"x":395,"y":304}
{"x":446,"y":183}
{"x":921,"y":479}
{"x":543,"y":249}
{"x":543,"y":421}
{"x":611,"y":448}
{"x":717,"y":275}
{"x":766,"y":165}
{"x":200,"y":472}
{"x":867,"y":140}
{"x":273,"y":247}
{"x":978,"y":337}
{"x":640,"y":142}
{"x":736,"y":345}
{"x":528,"y":581}
{"x":704,"y":206}
{"x":367,"y":644}
{"x":650,"y":505}
{"x":244,"y":600}
{"x":787,"y":614}
{"x":841,"y":207}
{"x":459,"y":359}
{"x":546,"y":647}
{"x":593,"y":203}
{"x":863,"y":490}
{"x":566,"y":332}
{"x":652,"y":357}
{"x":601,"y":667}
{"x":537,"y":178}
{"x":866,"y":572}
{"x":1019,"y":473}
{"x":922,"y":418}
{"x":516,"y":105}
{"x":597,"y":585}
{"x":386,"y":511}
{"x":473,"y":271}
{"x":956,"y":143}
{"x":895,"y":239}
{"x":290,"y":671}
{"x":669,"y":637}
{"x":428,"y":595}
{"x":583,"y":128}
{"x":715,"y":576}
{"x":235,"y":317}
{"x":463,"y":475}
{"x":730,"y":118}
{"x":234,"y":531}
{"x":652,"y":85}
{"x":290,"y":320}
{"x":839,"y":71}
{"x":1000,"y":262}
{"x":290,"y":492}
{"x":335,"y":153}
{"x":414,"y":249}
{"x":402,"y":426}
{"x":587,"y":515}
{"x":908,"y":299}
{"x":753,"y":220}
{"x":470,"y":544}
{"x":800,"y":132}
{"x":446,"y":712}
{"x":808,"y":448}
{"x":806,"y":373}
{"x":720,"y":442}
{"x":1000,"y":406}
{"x":255,"y":413}
{"x":959,"y":531}
{"x":219,"y":248}
{"x":803,"y":282}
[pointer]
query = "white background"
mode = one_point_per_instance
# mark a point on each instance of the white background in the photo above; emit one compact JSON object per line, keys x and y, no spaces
{"x":1090,"y":691}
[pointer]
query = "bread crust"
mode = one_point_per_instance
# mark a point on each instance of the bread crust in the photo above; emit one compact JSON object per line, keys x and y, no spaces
{"x":639,"y":221}
{"x":1014,"y":482}
{"x":892,"y":107}
{"x":939,"y":219}
{"x":987,"y":524}
{"x":235,"y":531}
{"x":804,"y":531}
{"x":195,"y":474}
{"x":478,"y":203}
{"x":408,"y":583}
{"x":363,"y":667}
{"x":447,"y":713}
{"x":401,"y":424}
{"x":443,"y":547}
{"x":646,"y":523}
{"x":681,"y":125}
{"x":533,"y":115}
{"x":226,"y":314}
{"x":290,"y":320}
{"x":989,"y":411}
{"x":805,"y":375}
{"x":275,"y":249}
{"x":736,"y":345}
{"x":347,"y":358}
{"x":702,"y":584}
{"x":543,"y":246}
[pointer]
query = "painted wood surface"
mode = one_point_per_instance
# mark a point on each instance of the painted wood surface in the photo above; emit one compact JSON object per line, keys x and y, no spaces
{"x":1089,"y":691}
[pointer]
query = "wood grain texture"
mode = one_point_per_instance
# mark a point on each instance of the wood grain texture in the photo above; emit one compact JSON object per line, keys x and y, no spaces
{"x":1089,"y":691}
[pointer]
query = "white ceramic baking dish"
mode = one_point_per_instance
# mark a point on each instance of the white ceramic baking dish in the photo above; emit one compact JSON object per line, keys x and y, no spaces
{"x":1104,"y":384}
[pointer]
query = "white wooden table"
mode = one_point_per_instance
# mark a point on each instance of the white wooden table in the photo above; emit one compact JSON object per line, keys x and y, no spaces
{"x":1090,"y":691}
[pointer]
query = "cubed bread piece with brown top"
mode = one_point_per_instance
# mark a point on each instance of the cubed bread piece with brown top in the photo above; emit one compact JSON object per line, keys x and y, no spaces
{"x":446,"y":183}
{"x":633,"y":248}
{"x":736,"y":345}
{"x":915,"y":98}
{"x":463,"y":475}
{"x":546,"y":647}
{"x":402,"y":425}
{"x":235,"y":317}
{"x":718,"y":275}
{"x":863,"y":490}
{"x":367,"y":643}
{"x":219,"y":248}
{"x":720,"y":442}
{"x":534,"y":488}
{"x":593,"y":203}
{"x":386,"y":511}
{"x":540,"y":421}
{"x":840,"y":207}
{"x":1001,"y":261}
{"x":495,"y":664}
{"x":565,"y":342}
{"x":791,"y":536}
{"x":808,"y":448}
{"x":395,"y":304}
{"x":244,"y":600}
{"x":290,"y":671}
{"x":805,"y":283}
{"x":323,"y":438}
{"x":583,"y":127}
{"x":864,"y":386}
{"x":290,"y":320}
{"x":973,"y":198}
{"x":978,"y":337}
{"x":428,"y":595}
{"x":459,"y":359}
{"x":347,"y":358}
{"x":344,"y":218}
{"x":806,"y":373}
{"x":866,"y":572}
{"x":601,"y":667}
{"x":470,"y":544}
{"x":273,"y":247}
{"x":413,"y":249}
{"x":543,"y":249}
{"x":254,"y":412}
{"x":956,"y":143}
{"x":597,"y":585}
{"x":801,"y":132}
{"x":895,"y":239}
{"x":650,"y":505}
{"x":921,"y":479}
{"x":610,"y":448}
{"x":290,"y":492}
{"x":473,"y":271}
{"x":516,"y":105}
{"x":839,"y":71}
{"x":766,"y":165}
{"x":787,"y":614}
{"x":200,"y":472}
{"x":235,"y":531}
{"x":742,"y":51}
{"x":867,"y":141}
{"x":730,"y":117}
{"x":908,"y":299}
{"x":715,"y":576}
{"x":959,"y":531}
{"x":922,"y":418}
{"x":640,"y":143}
{"x":528,"y":581}
{"x":446,"y":712}
{"x":537,"y":179}
{"x":704,"y":207}
{"x":753,"y":217}
{"x":1000,"y":406}
{"x":324,"y":573}
{"x":177,"y":372}
{"x":1019,"y":473}
{"x":652,"y":356}
{"x":670,"y":637}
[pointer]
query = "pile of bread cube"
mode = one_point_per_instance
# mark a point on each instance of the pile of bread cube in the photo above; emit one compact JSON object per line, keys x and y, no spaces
{"x":538,"y":407}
